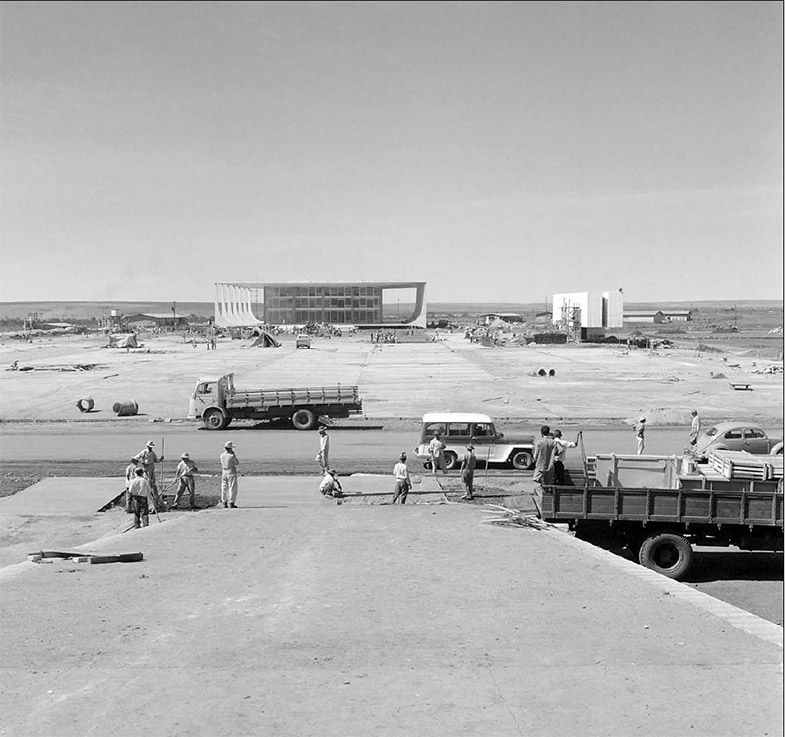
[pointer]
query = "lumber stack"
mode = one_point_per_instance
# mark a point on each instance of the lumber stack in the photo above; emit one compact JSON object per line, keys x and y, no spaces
{"x":734,"y":464}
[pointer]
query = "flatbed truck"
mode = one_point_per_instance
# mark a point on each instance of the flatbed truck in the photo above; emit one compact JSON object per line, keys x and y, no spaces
{"x":217,"y":402}
{"x":659,"y":526}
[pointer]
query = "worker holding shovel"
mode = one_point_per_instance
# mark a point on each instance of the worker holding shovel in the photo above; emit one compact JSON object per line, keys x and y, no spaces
{"x":184,"y":478}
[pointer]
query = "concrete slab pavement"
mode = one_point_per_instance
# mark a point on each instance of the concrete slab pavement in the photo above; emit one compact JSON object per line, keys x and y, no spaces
{"x":319,"y":619}
{"x":63,"y":496}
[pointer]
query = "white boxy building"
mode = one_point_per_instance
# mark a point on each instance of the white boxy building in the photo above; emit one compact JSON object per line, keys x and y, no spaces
{"x":588,"y":314}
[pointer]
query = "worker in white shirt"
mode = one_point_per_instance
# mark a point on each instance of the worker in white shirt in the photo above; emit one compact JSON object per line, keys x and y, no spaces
{"x":140,"y":492}
{"x":403,"y":482}
{"x":130,"y":474}
{"x":323,"y":456}
{"x":695,"y":428}
{"x":229,"y":464}
{"x":330,"y":485}
{"x":184,"y":477}
{"x":559,"y":455}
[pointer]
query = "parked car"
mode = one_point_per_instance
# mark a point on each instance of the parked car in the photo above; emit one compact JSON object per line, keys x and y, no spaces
{"x":736,"y":436}
{"x":456,"y":429}
{"x":303,"y":341}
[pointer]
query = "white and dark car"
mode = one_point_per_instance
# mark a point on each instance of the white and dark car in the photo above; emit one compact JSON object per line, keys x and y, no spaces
{"x":303,"y":341}
{"x":456,"y":429}
{"x":736,"y":436}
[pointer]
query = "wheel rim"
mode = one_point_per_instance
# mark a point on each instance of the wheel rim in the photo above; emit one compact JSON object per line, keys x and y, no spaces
{"x":666,"y":556}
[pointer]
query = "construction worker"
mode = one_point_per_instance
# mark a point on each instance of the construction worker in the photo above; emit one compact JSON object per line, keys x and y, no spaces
{"x":323,"y":456}
{"x":229,"y":464}
{"x":403,"y":482}
{"x":184,"y":478}
{"x":147,"y":460}
{"x":467,"y":472}
{"x":130,"y":473}
{"x":330,"y":485}
{"x":695,"y":428}
{"x":543,"y":458}
{"x":436,"y":450}
{"x":560,"y":446}
{"x":640,"y":434}
{"x":139,"y":493}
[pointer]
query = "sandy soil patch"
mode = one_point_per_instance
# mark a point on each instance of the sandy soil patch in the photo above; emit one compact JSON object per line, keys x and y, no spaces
{"x":602,"y":383}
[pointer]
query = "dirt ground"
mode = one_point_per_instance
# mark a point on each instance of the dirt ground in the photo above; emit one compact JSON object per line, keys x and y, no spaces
{"x":596,"y":383}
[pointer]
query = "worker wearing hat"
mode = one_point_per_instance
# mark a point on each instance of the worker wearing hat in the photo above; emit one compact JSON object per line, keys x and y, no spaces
{"x":147,"y":460}
{"x":695,"y":428}
{"x":468,"y":462}
{"x":130,"y":474}
{"x":229,"y":464}
{"x":184,"y":478}
{"x":330,"y":485}
{"x":640,"y":434}
{"x":323,"y":456}
{"x":403,"y":482}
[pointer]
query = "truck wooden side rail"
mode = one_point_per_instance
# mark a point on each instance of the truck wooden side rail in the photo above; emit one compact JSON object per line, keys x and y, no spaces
{"x":217,"y":402}
{"x":659,"y":526}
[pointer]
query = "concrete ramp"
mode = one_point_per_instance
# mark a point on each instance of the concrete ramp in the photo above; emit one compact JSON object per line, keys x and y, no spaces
{"x":63,"y":496}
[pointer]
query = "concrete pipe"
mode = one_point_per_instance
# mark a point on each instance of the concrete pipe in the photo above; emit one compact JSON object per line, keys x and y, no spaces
{"x":125,"y":409}
{"x":86,"y":404}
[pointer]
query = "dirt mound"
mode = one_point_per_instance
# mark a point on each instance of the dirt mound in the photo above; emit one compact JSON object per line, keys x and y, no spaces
{"x":662,"y":416}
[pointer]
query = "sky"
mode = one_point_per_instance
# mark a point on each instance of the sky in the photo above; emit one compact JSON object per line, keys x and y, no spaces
{"x":500,"y":151}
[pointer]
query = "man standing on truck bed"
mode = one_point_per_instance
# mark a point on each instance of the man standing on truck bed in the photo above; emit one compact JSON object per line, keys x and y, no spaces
{"x":543,"y":457}
{"x":229,"y":464}
{"x":147,"y":460}
{"x":323,"y":456}
{"x":560,"y":446}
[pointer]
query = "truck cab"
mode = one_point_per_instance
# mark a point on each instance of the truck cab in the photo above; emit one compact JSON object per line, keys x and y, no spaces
{"x":456,"y":429}
{"x":209,"y":391}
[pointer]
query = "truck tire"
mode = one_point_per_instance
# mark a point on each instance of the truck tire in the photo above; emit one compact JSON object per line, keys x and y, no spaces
{"x":214,"y":419}
{"x":521,"y":459}
{"x":303,"y":419}
{"x":450,"y":460}
{"x":666,"y":553}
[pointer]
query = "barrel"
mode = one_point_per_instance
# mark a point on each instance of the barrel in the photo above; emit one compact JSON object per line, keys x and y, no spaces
{"x":86,"y":404}
{"x":125,"y":409}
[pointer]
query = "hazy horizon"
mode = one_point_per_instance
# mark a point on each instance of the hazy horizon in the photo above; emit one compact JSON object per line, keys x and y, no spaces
{"x":491,"y":149}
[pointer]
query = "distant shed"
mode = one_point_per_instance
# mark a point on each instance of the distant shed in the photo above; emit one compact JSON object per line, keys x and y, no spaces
{"x":656,"y":316}
{"x":156,"y":319}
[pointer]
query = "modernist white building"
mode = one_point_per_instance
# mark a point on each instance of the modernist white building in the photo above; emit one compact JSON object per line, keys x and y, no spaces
{"x":588,"y":313}
{"x":339,"y":303}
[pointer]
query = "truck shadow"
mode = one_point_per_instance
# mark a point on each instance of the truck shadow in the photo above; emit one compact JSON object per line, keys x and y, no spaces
{"x":733,"y":565}
{"x":727,"y":565}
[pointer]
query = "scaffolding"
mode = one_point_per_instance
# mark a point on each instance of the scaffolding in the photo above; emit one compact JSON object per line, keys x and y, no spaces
{"x":569,"y":322}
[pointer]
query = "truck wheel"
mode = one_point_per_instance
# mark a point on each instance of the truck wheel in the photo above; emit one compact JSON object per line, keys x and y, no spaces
{"x":666,"y":553}
{"x":214,"y":419}
{"x":777,"y":449}
{"x":450,"y":460}
{"x":521,"y":459}
{"x":303,"y":419}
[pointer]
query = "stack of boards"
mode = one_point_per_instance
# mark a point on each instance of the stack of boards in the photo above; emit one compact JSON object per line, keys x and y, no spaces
{"x":734,"y":464}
